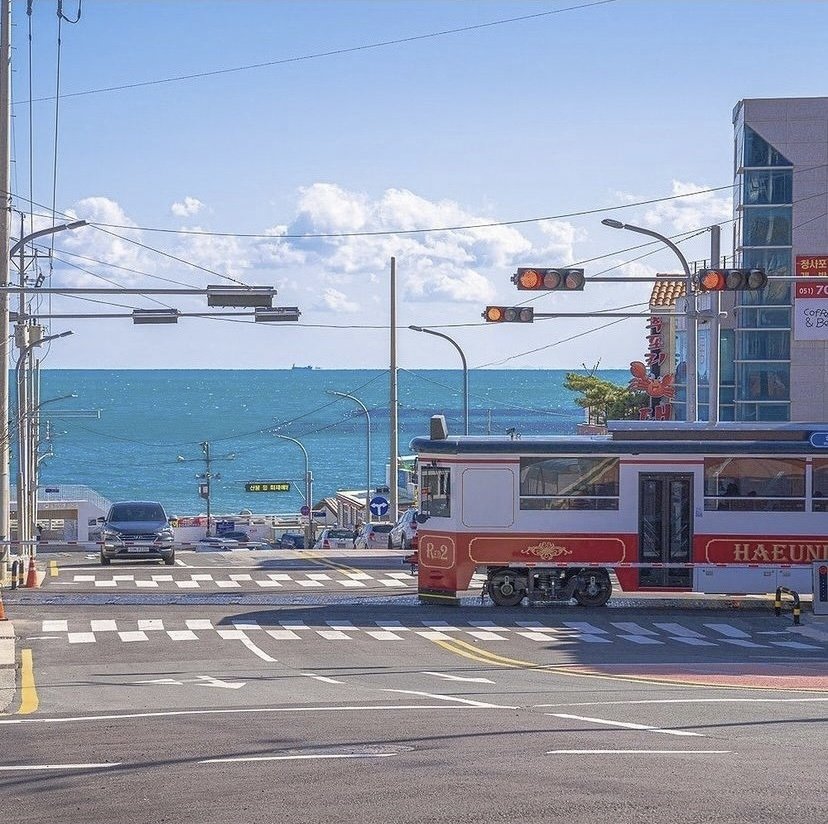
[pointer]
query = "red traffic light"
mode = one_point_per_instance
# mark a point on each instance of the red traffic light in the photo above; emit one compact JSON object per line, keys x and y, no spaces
{"x":549,"y":280}
{"x":509,"y":314}
{"x":731,"y":280}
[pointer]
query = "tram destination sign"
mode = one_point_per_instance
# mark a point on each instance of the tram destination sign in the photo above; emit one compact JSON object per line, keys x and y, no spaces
{"x":819,"y":440}
{"x":267,"y":486}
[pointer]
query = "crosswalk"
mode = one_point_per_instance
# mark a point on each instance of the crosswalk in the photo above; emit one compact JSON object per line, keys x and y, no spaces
{"x":339,"y":579}
{"x":563,"y":633}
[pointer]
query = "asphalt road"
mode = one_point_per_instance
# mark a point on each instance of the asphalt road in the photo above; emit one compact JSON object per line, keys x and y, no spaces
{"x":377,"y":709}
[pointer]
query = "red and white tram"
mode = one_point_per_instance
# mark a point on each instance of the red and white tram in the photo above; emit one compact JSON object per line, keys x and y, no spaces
{"x":730,"y":508}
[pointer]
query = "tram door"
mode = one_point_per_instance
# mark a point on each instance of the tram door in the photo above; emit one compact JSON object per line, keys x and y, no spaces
{"x":665,"y":528}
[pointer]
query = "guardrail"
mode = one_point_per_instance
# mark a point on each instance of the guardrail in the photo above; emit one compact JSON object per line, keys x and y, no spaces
{"x":777,"y":604}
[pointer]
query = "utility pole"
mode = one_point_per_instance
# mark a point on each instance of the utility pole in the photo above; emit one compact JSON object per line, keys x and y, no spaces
{"x":207,"y":476}
{"x":713,"y":369}
{"x":394,"y":446}
{"x":5,"y":216}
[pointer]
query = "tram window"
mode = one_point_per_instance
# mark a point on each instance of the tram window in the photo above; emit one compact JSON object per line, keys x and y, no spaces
{"x":569,"y":483}
{"x":435,"y":491}
{"x":820,"y":502}
{"x":754,"y":484}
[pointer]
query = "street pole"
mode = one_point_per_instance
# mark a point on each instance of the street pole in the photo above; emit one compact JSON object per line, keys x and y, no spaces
{"x":465,"y":371}
{"x":309,"y":536}
{"x":713,"y":369}
{"x":690,"y":301}
{"x":205,"y":447}
{"x":5,"y":216}
{"x":368,"y":457}
{"x":394,"y":446}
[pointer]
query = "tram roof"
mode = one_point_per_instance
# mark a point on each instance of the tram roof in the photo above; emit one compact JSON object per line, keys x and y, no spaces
{"x":652,"y":437}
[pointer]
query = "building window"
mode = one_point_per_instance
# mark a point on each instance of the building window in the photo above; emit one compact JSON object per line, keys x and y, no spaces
{"x":820,"y":490}
{"x":569,"y":483}
{"x":752,"y":412}
{"x":765,"y":345}
{"x":767,"y":226}
{"x":764,"y":381}
{"x":764,"y":318}
{"x":758,"y":152}
{"x":435,"y":491}
{"x":765,"y":187}
{"x":754,"y":484}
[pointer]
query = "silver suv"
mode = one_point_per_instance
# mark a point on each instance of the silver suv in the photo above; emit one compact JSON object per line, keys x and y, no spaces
{"x":404,"y":533}
{"x":135,"y":529}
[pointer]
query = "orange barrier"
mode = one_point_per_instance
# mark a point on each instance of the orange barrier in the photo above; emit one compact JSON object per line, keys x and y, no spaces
{"x":2,"y":609}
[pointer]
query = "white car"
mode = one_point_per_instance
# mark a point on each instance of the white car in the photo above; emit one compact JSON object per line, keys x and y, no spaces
{"x":335,"y":538}
{"x":374,"y":536}
{"x":404,"y":532}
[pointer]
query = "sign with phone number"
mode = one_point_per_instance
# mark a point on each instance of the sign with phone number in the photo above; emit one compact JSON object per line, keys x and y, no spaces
{"x":267,"y":486}
{"x":811,"y":309}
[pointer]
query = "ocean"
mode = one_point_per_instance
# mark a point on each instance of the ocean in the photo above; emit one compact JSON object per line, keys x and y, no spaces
{"x":145,"y":443}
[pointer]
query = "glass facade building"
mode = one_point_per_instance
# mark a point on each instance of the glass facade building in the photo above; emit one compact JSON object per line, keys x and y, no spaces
{"x":780,"y":211}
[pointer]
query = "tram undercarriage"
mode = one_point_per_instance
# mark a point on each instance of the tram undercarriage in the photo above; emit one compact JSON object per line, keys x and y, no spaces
{"x":508,"y":586}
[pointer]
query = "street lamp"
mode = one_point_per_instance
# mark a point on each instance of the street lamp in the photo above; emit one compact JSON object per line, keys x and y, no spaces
{"x":690,"y":358}
{"x":25,"y":518}
{"x":465,"y":371}
{"x":368,"y":458}
{"x":308,"y":487}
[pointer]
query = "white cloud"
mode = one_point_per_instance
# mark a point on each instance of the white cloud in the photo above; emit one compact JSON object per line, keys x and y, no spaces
{"x":687,"y":213}
{"x":336,"y":301}
{"x":187,"y":208}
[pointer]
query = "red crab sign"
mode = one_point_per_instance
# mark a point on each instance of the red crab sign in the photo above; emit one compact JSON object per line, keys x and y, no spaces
{"x":659,"y":387}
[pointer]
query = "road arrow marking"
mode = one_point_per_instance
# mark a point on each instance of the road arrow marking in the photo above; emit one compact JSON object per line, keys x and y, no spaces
{"x":459,"y":678}
{"x":200,"y":680}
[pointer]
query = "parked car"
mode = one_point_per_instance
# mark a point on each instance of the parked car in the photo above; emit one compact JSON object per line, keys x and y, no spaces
{"x":373,"y":536}
{"x":335,"y":538}
{"x":404,"y":533}
{"x":134,"y":529}
{"x":292,"y":540}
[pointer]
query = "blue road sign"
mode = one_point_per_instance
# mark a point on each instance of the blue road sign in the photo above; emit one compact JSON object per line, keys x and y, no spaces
{"x":819,"y":439}
{"x":378,"y":505}
{"x":304,"y":510}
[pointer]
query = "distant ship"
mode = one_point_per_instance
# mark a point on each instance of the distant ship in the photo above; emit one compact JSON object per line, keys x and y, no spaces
{"x":302,"y":367}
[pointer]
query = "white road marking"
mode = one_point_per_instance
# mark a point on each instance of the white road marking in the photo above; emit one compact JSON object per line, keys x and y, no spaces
{"x":392,"y":582}
{"x":297,"y":757}
{"x":133,"y":636}
{"x":278,"y":576}
{"x":151,"y":624}
{"x":693,"y":642}
{"x":269,"y":583}
{"x":294,"y":625}
{"x":182,"y":635}
{"x":157,"y":577}
{"x":241,"y":577}
{"x":749,"y":700}
{"x":319,"y":576}
{"x":20,"y":767}
{"x":283,"y":634}
{"x":199,"y":623}
{"x":324,"y":679}
{"x":106,"y":583}
{"x":458,"y":677}
{"x":340,"y":625}
{"x":633,"y":628}
{"x":187,"y":584}
{"x":383,"y":635}
{"x":638,"y":752}
{"x":583,"y":626}
{"x":227,"y":584}
{"x":246,"y":625}
{"x":146,"y":584}
{"x":309,"y":583}
{"x":485,"y":635}
{"x":201,"y":577}
{"x":536,"y":636}
{"x":333,"y":635}
{"x":467,"y":701}
{"x":678,"y":629}
{"x":625,"y":724}
{"x":728,"y":630}
{"x":103,"y":626}
{"x":256,"y":651}
{"x":641,"y":639}
{"x":793,"y":645}
{"x":55,"y":626}
{"x":81,"y":637}
{"x":432,"y":635}
{"x":351,"y":584}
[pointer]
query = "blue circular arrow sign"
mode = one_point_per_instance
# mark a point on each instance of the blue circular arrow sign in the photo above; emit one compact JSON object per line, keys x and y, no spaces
{"x":378,"y":505}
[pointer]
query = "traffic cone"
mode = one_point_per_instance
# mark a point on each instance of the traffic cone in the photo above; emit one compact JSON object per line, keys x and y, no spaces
{"x":31,"y":577}
{"x":2,"y":609}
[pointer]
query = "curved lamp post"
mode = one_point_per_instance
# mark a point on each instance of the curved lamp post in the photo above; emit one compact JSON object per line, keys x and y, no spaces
{"x":465,"y":371}
{"x":308,"y":487}
{"x":690,"y":357}
{"x":368,"y":457}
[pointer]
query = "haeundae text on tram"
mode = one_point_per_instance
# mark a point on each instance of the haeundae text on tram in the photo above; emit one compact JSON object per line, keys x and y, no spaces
{"x":731,"y":508}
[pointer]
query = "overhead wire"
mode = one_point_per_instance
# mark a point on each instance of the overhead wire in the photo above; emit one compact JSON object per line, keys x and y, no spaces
{"x":331,"y":53}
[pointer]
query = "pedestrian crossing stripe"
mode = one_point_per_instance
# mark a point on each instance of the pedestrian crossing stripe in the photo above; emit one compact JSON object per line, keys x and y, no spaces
{"x":274,"y":580}
{"x":390,"y":630}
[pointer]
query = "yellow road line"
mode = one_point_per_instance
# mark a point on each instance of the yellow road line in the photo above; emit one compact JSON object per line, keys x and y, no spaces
{"x":319,"y":559}
{"x":29,"y":701}
{"x":459,"y":647}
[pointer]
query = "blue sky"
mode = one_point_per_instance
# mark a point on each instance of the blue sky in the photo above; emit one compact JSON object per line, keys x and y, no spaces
{"x":594,"y":106}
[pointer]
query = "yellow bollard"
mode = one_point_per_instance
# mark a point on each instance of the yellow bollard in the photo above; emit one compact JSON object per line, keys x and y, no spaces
{"x":53,"y":568}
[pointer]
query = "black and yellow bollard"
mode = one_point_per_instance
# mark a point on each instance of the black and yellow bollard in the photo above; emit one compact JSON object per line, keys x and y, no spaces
{"x":777,"y":603}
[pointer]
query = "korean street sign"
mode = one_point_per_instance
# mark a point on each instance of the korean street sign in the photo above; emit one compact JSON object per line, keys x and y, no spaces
{"x":267,"y":486}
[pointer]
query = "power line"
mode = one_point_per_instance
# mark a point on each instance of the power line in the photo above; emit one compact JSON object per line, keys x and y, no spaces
{"x":317,"y":55}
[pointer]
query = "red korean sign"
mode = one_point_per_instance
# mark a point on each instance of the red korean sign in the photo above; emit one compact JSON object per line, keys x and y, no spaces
{"x":812,"y":265}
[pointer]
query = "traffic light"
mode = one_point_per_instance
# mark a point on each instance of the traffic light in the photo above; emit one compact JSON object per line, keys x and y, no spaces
{"x":731,"y":280}
{"x":549,"y":280}
{"x":509,"y":314}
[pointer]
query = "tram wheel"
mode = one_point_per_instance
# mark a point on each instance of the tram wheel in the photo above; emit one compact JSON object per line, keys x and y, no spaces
{"x":506,"y":589}
{"x":596,"y":591}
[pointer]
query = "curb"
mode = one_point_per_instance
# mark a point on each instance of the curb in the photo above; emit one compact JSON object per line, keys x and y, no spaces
{"x":6,"y":645}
